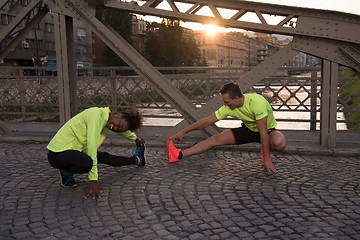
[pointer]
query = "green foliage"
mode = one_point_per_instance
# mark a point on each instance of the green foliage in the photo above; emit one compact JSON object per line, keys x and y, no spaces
{"x":120,"y":20}
{"x":166,"y":45}
{"x":351,"y":97}
{"x":38,"y":119}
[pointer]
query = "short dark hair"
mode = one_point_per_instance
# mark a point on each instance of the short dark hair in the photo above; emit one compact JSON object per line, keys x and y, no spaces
{"x":133,"y":118}
{"x":232,"y":89}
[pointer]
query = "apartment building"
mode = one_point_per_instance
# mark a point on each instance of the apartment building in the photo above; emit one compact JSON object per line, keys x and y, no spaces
{"x":38,"y":46}
{"x":227,"y":49}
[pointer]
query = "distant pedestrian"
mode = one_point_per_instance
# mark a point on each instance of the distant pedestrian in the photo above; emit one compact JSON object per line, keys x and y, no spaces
{"x":258,"y":126}
{"x":74,"y":147}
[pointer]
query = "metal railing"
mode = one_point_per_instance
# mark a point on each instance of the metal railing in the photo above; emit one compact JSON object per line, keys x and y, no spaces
{"x":32,"y":93}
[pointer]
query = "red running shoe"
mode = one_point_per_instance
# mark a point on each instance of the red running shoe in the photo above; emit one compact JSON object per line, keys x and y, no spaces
{"x":262,"y":157}
{"x":173,"y":152}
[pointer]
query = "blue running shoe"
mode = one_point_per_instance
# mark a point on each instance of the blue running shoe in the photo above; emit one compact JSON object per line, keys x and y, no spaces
{"x":140,"y":155}
{"x":67,"y":179}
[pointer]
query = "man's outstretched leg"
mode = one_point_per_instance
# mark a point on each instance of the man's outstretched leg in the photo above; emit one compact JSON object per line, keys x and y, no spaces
{"x":175,"y":154}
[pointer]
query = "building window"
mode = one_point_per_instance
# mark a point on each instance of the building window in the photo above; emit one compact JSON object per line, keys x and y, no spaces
{"x":24,"y":2}
{"x":81,"y":33}
{"x":81,"y":50}
{"x":38,"y":26}
{"x":49,"y":27}
{"x":36,"y":44}
{"x":133,"y":28}
{"x":6,"y":19}
{"x":50,"y":46}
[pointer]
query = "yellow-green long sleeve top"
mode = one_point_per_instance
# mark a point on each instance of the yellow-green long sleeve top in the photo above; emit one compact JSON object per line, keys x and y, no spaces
{"x":85,"y":132}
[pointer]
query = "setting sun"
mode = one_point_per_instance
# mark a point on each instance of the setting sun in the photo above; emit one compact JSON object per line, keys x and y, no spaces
{"x":212,"y":29}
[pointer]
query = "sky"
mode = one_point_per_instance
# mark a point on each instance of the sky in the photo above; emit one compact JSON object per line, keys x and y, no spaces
{"x":348,"y":6}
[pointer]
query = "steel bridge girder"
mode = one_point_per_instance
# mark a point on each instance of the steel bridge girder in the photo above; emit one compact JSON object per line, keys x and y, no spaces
{"x":310,"y":22}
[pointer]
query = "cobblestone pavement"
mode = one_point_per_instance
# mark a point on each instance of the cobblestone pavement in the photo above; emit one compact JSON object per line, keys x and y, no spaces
{"x":221,"y":194}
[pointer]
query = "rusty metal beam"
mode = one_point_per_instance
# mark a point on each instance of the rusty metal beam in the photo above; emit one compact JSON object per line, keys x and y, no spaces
{"x":135,"y":60}
{"x":20,"y":36}
{"x":65,"y":63}
{"x":329,"y":92}
{"x":265,"y":69}
{"x":343,"y":53}
{"x":17,"y":20}
{"x":309,"y":22}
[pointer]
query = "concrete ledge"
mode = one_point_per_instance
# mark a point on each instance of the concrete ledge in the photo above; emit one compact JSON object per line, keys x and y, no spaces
{"x":292,"y":147}
{"x":298,"y":141}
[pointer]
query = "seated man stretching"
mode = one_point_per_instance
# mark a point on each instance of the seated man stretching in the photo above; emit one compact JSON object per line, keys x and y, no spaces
{"x":258,"y":126}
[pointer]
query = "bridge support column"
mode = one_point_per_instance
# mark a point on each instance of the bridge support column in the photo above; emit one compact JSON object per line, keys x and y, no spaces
{"x":65,"y":62}
{"x":329,"y":93}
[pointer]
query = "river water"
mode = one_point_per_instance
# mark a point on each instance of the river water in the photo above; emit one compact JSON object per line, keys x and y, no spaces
{"x":301,"y":94}
{"x":235,"y":123}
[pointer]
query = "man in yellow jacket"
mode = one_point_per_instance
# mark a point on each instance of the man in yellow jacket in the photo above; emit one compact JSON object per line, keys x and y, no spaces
{"x":73,"y":149}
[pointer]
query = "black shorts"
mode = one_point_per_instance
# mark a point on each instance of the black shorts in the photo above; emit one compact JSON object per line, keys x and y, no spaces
{"x":244,"y":135}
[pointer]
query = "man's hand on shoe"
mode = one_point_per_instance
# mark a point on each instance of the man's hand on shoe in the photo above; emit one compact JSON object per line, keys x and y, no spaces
{"x":178,"y":137}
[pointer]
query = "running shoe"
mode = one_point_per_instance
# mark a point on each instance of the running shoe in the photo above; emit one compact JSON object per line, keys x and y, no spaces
{"x":140,"y":155}
{"x":67,"y":179}
{"x":262,"y":157}
{"x":173,"y":152}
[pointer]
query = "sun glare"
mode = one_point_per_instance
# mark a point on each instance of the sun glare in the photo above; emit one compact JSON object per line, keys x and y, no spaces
{"x":212,"y":29}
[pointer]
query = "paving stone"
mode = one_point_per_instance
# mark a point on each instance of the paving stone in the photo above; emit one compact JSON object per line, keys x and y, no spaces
{"x":216,"y":195}
{"x":196,"y":236}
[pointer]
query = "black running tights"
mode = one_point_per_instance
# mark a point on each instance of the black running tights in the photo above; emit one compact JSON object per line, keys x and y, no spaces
{"x":74,"y":161}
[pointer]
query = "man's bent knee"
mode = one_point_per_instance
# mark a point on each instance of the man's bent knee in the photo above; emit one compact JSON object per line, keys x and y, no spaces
{"x":278,"y":147}
{"x":277,"y":141}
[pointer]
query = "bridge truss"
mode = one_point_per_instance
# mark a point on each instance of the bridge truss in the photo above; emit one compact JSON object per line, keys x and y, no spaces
{"x":329,"y":35}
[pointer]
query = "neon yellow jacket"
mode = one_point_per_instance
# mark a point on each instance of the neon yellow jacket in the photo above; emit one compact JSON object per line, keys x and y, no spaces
{"x":255,"y":107}
{"x":85,"y":132}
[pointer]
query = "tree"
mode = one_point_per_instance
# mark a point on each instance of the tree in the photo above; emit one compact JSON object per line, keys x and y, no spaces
{"x":166,"y":45}
{"x":120,"y":21}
